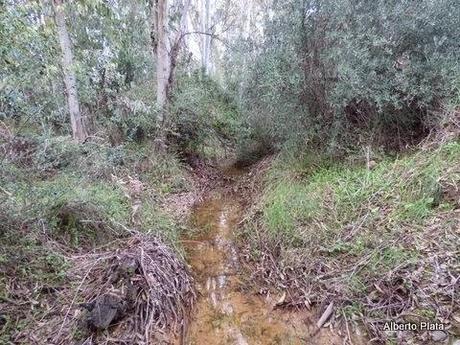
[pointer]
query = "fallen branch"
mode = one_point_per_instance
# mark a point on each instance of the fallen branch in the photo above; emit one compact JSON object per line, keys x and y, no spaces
{"x":326,"y":315}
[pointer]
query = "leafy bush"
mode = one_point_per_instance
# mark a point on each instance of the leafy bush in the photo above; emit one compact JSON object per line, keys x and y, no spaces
{"x":342,"y":72}
{"x":204,"y":115}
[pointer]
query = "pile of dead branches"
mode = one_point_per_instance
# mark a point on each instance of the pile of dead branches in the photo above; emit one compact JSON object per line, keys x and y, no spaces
{"x":134,"y":291}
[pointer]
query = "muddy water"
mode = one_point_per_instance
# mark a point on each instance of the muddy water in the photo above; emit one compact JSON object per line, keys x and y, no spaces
{"x":225,"y":314}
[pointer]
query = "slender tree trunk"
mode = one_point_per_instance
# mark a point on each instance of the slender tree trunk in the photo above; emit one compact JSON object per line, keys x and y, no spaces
{"x":162,"y":57}
{"x":205,"y":39}
{"x":186,"y":27}
{"x":70,"y":81}
{"x":179,"y":41}
{"x":166,"y":54}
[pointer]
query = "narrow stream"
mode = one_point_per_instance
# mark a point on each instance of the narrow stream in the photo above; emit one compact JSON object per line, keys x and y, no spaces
{"x":224,"y":313}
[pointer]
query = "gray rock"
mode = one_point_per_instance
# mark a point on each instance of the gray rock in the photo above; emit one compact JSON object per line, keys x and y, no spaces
{"x":106,"y":310}
{"x":438,"y":335}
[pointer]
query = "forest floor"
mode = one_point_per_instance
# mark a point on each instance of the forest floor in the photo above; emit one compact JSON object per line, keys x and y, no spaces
{"x":104,"y":245}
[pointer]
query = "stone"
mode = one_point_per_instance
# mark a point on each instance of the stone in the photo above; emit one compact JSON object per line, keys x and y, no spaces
{"x":106,"y":310}
{"x":438,"y":335}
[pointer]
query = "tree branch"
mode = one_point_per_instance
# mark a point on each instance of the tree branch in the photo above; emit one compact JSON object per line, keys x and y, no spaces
{"x":202,"y":33}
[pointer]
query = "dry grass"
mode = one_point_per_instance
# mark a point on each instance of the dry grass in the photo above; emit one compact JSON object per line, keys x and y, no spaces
{"x":381,"y":244}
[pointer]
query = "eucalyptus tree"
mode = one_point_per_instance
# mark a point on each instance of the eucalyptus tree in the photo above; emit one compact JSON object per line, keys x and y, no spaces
{"x":168,"y":32}
{"x":70,"y":81}
{"x":161,"y":46}
{"x":206,"y":39}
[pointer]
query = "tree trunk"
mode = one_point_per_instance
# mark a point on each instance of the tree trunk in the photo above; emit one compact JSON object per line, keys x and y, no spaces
{"x":162,"y":56}
{"x":206,"y":39}
{"x":166,"y":54}
{"x":179,"y":41}
{"x":70,"y":81}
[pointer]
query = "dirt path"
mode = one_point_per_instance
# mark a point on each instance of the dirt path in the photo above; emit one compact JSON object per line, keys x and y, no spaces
{"x":225,"y":313}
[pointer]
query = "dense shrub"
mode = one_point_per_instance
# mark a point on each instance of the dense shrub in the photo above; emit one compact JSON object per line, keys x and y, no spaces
{"x":204,"y":115}
{"x":329,"y":69}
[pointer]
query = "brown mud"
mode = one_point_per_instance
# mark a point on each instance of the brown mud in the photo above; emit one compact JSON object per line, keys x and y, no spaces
{"x":227,"y":310}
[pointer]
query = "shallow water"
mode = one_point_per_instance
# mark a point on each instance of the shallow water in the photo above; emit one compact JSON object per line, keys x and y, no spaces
{"x":225,"y":314}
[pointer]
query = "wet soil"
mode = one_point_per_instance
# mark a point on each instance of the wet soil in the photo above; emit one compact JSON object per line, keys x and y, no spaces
{"x":227,"y":311}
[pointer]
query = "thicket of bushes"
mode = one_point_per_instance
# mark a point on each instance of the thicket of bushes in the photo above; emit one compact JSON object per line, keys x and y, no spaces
{"x":343,"y":73}
{"x":206,"y":119}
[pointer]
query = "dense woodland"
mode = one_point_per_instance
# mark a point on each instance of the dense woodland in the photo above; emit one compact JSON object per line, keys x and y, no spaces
{"x":115,"y":114}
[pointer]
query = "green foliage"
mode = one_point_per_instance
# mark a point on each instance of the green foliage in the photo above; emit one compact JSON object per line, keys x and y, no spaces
{"x":72,"y":208}
{"x":205,"y":118}
{"x":111,"y":57}
{"x":408,"y":189}
{"x":342,"y":72}
{"x":27,"y":65}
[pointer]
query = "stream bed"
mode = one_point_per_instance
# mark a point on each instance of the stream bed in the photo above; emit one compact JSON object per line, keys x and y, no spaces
{"x":225,"y":313}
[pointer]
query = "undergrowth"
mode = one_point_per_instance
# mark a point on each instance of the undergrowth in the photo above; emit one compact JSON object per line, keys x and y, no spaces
{"x":379,"y":242}
{"x":59,"y":201}
{"x":206,"y":119}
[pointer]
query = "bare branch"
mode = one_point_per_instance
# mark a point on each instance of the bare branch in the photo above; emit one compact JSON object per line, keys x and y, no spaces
{"x":203,"y":33}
